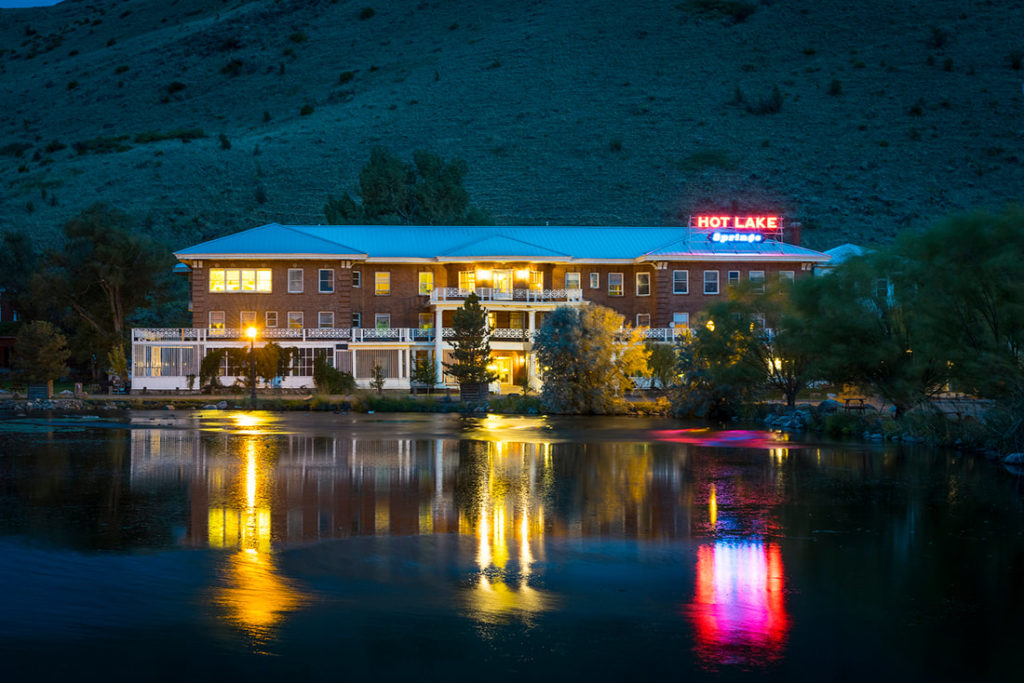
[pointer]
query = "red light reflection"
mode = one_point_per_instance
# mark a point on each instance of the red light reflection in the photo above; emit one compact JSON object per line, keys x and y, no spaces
{"x":738,"y":612}
{"x":734,"y":438}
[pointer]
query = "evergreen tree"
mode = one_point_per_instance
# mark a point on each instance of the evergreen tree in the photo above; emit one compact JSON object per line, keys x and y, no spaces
{"x":40,"y":352}
{"x":471,"y":349}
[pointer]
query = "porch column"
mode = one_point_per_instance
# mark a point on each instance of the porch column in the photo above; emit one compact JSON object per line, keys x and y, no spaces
{"x":438,"y":368}
{"x":531,"y":357}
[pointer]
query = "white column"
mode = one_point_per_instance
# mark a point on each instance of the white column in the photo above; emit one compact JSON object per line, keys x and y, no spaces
{"x":438,"y":368}
{"x":531,"y":358}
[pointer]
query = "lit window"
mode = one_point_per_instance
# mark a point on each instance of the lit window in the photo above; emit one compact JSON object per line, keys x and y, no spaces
{"x":271,"y":318}
{"x":595,"y":281}
{"x":643,"y":284}
{"x":492,"y":320}
{"x":786,"y":276}
{"x":680,"y":282}
{"x":426,"y":321}
{"x":467,"y":280}
{"x":734,"y":278}
{"x":247,"y":319}
{"x":681,"y":320}
{"x":232,"y":280}
{"x":643,"y":319}
{"x":426,"y":283}
{"x":357,"y":319}
{"x":757,"y":281}
{"x":572,"y":281}
{"x":217,"y":321}
{"x":382,"y":321}
{"x":295,"y":280}
{"x":536,"y":280}
{"x":357,"y":278}
{"x":326,"y":280}
{"x":295,"y":320}
{"x":614,"y":284}
{"x":711,"y":282}
{"x":382,"y":283}
{"x":515,"y":320}
{"x":325,"y":319}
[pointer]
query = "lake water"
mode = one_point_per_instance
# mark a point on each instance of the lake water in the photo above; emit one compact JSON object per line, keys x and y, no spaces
{"x":257,"y":546}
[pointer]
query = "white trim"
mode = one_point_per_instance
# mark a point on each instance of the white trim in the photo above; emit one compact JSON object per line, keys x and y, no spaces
{"x":270,"y":256}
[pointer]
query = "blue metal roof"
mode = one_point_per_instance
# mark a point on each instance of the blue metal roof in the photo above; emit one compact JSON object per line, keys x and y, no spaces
{"x":557,"y":243}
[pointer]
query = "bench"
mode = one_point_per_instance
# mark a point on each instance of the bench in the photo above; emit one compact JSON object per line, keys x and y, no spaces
{"x":855,"y":404}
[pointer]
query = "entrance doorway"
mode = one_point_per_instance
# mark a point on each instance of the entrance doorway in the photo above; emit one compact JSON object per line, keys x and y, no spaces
{"x":502,"y":284}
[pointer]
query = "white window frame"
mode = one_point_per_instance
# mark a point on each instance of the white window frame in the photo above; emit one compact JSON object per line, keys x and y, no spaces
{"x":379,"y":318}
{"x":595,"y":280}
{"x":643,"y":319}
{"x":270,"y":318}
{"x":295,"y":285}
{"x":216,"y":321}
{"x":240,"y":280}
{"x":686,"y":282}
{"x":467,"y":277}
{"x":754,"y":276}
{"x":573,"y":280}
{"x":357,"y":278}
{"x":621,"y":288}
{"x":429,"y":318}
{"x":325,"y":319}
{"x":787,"y":276}
{"x":329,"y":289}
{"x":357,"y":319}
{"x":425,"y":282}
{"x":733,"y":278}
{"x":643,"y":276}
{"x":681,"y":317}
{"x":246,"y":319}
{"x":382,"y":283}
{"x":711,"y":286}
{"x":295,"y":317}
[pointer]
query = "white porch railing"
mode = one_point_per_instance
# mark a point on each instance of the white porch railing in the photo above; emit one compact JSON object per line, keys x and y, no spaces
{"x":512,"y":296}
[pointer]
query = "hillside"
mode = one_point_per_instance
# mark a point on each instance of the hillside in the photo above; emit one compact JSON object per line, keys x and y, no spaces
{"x":578,"y":112}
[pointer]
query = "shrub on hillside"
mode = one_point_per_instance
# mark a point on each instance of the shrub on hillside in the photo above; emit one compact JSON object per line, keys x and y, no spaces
{"x":772,"y":104}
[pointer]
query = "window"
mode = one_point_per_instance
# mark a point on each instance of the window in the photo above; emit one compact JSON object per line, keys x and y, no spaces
{"x":786,"y":276}
{"x":357,"y":278}
{"x":467,"y":280}
{"x":326,"y":280}
{"x":681,"y":320}
{"x":643,"y":284}
{"x":614,"y":284}
{"x":572,"y":281}
{"x":515,"y":320}
{"x":426,"y":321}
{"x":536,"y":280}
{"x":295,"y":280}
{"x":643,"y":319}
{"x":734,"y":278}
{"x":680,"y":282}
{"x":382,"y":283}
{"x":295,"y":320}
{"x":711,"y":282}
{"x":757,"y":281}
{"x":271,"y":318}
{"x":217,"y":321}
{"x":232,"y":280}
{"x":595,"y":280}
{"x":247,"y":319}
{"x":382,"y":321}
{"x":492,"y":320}
{"x":426,"y":283}
{"x":357,"y":319}
{"x":325,"y":319}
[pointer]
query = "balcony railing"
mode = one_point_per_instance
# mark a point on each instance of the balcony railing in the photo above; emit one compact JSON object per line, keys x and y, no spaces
{"x":367,"y":335}
{"x":511,"y":296}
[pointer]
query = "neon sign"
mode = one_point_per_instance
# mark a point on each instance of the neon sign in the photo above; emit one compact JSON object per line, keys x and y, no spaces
{"x":766,"y":223}
{"x":747,"y":237}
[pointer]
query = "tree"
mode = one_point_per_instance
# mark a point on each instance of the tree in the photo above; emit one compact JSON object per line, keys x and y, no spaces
{"x":40,"y":352}
{"x":425,"y":373}
{"x":18,"y":261}
{"x":118,"y":362}
{"x":662,"y":363}
{"x":331,"y":380}
{"x":103,"y":273}
{"x":377,"y":379}
{"x":869,"y":324}
{"x":428,"y":191}
{"x":471,"y":351}
{"x":586,"y":367}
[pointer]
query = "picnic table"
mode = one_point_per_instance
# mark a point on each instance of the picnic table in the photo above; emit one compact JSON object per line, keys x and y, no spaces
{"x":855,"y":404}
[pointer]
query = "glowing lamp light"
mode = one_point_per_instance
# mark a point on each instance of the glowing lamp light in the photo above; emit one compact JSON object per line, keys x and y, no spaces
{"x":522,"y":274}
{"x":483,"y":274}
{"x":710,"y":325}
{"x":251,"y":332}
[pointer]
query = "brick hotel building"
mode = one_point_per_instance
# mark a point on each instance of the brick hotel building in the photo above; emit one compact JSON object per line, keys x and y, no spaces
{"x":366,"y":295}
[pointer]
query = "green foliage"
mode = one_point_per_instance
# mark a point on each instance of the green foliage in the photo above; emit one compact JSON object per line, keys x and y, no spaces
{"x":209,"y":370}
{"x":118,"y":362}
{"x":298,"y":37}
{"x":183,"y":134}
{"x":586,"y":368}
{"x":366,"y":13}
{"x":345,"y":77}
{"x":18,"y":262}
{"x":770,"y":104}
{"x":307,"y":110}
{"x":175,"y":87}
{"x":835,"y":87}
{"x":707,"y":158}
{"x":377,"y":379}
{"x":425,"y":372}
{"x":15,"y":149}
{"x":102,"y":145}
{"x":661,"y":362}
{"x":40,"y":352}
{"x":845,"y":424}
{"x":429,"y":191}
{"x":330,"y":380}
{"x":471,"y":349}
{"x":736,"y":10}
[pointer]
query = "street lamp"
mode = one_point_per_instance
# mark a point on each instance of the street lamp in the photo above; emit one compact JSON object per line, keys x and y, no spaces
{"x":251,"y":334}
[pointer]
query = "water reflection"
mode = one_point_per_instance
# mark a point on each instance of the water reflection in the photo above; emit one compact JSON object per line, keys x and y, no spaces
{"x":738,"y":613}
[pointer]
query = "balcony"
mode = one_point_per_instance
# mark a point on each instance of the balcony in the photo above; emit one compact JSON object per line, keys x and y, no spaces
{"x":514,"y":297}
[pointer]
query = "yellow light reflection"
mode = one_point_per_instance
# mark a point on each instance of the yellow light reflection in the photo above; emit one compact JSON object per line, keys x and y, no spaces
{"x":713,"y":507}
{"x":256,"y":597}
{"x":248,"y":420}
